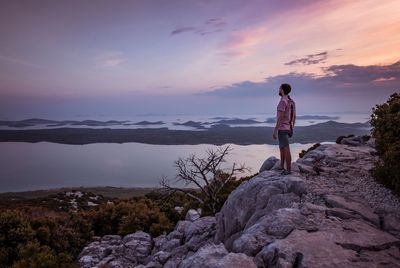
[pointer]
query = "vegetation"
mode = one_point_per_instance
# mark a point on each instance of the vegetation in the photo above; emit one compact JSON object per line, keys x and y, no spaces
{"x":303,"y":152}
{"x":385,"y":122}
{"x":33,"y":236}
{"x":207,"y":175}
{"x":340,"y":138}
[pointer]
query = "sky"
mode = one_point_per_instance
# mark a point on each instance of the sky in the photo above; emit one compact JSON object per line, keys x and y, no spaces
{"x":63,"y":59}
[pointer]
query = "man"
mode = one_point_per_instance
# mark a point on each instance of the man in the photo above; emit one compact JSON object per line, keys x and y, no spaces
{"x":284,"y":126}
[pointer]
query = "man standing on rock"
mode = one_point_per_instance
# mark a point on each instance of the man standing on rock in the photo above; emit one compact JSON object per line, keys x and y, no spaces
{"x":285,"y":120}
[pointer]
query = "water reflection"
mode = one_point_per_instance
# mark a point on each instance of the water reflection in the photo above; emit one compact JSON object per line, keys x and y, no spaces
{"x":44,"y":165}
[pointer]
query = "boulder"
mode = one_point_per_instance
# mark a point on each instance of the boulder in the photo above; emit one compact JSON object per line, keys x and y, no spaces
{"x":269,"y":163}
{"x":137,"y":246}
{"x":192,"y":215}
{"x":253,"y":200}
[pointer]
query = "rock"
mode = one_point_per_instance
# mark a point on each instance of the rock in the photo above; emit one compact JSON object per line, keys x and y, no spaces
{"x":334,"y":247}
{"x":199,"y":227}
{"x":177,"y":255}
{"x":137,"y":246}
{"x":181,"y":226}
{"x":276,"y":166}
{"x":121,"y":263}
{"x":199,"y":232}
{"x":249,"y":198}
{"x":170,"y":244}
{"x":153,"y":264}
{"x":216,"y":256}
{"x":175,"y":235}
{"x":158,"y":242}
{"x":111,"y":239}
{"x":251,"y":242}
{"x":161,"y":256}
{"x":348,"y":204}
{"x":391,"y":224}
{"x":178,"y":209}
{"x":192,"y":215}
{"x":356,"y":141}
{"x":269,"y":163}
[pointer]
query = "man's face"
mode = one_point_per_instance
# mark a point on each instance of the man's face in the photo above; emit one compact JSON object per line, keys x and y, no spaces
{"x":280,"y":92}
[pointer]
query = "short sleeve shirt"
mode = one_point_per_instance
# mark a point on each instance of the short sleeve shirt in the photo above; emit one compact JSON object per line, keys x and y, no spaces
{"x":283,"y":103}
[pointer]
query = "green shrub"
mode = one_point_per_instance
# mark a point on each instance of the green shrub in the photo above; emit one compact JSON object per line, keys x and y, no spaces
{"x":303,"y":152}
{"x":385,"y":122}
{"x":340,"y":138}
{"x":34,"y":255}
{"x":15,"y":231}
{"x":128,"y":216}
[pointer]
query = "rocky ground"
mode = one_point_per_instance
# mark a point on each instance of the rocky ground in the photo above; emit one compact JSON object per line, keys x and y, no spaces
{"x":328,"y":213}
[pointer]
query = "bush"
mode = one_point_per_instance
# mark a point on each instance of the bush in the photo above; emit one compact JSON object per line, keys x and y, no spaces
{"x":385,"y":122}
{"x":340,"y":138}
{"x":33,"y":255}
{"x":15,"y":231}
{"x":303,"y":152}
{"x":128,"y":216}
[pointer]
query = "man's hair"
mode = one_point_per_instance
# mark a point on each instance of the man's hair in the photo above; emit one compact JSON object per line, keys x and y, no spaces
{"x":286,"y":88}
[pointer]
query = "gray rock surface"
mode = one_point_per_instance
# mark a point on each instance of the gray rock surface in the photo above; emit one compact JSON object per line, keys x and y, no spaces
{"x":328,"y":213}
{"x":216,"y":256}
{"x":269,"y":163}
{"x":192,"y":215}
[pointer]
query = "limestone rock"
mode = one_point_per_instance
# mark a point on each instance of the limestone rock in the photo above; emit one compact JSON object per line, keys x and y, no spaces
{"x":192,"y":215}
{"x":269,"y":163}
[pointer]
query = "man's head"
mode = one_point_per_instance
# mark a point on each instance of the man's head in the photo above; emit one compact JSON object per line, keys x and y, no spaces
{"x":284,"y":89}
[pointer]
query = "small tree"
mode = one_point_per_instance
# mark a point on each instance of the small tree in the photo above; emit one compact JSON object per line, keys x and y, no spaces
{"x":206,"y":175}
{"x":385,"y":122}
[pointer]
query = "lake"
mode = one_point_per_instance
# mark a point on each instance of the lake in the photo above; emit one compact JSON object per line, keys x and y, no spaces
{"x":44,"y":165}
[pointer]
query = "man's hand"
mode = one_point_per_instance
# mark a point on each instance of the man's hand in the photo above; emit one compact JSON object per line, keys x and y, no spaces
{"x":275,"y":134}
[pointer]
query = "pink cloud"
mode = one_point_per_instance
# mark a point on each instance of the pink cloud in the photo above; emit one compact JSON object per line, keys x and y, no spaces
{"x":242,"y":44}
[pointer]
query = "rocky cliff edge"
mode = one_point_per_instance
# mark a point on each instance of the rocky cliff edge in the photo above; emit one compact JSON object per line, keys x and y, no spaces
{"x":328,"y":213}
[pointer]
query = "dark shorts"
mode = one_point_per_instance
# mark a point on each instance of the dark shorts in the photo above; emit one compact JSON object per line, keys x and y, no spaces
{"x":283,"y":138}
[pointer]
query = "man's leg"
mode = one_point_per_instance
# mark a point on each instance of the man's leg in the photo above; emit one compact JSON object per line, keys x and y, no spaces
{"x":288,"y":158}
{"x":282,"y":150}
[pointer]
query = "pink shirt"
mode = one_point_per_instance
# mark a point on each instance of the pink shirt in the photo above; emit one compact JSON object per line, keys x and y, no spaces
{"x":285,"y":124}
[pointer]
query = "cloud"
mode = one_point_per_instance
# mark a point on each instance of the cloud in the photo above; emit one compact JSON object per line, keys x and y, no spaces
{"x":109,"y":59}
{"x":242,"y":44}
{"x":183,"y":29}
{"x":351,"y":73}
{"x":339,"y":80}
{"x":213,"y":25}
{"x":310,"y":59}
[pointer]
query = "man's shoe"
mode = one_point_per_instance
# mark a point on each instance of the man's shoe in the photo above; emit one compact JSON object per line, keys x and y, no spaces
{"x":286,"y":172}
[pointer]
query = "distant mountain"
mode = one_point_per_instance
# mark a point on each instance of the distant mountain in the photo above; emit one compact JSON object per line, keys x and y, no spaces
{"x":236,"y":121}
{"x":190,"y":124}
{"x":144,"y":123}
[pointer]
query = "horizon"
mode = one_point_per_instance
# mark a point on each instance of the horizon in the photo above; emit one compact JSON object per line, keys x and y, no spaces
{"x":124,"y":58}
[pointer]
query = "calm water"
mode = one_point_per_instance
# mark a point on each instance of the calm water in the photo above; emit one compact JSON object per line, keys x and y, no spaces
{"x":44,"y":165}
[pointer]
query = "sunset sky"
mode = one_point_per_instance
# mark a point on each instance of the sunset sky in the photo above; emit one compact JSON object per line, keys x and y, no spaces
{"x":61,"y":59}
